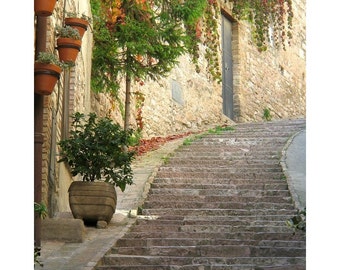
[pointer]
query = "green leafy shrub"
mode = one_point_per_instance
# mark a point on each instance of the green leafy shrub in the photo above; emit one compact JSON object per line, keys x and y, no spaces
{"x":97,"y":149}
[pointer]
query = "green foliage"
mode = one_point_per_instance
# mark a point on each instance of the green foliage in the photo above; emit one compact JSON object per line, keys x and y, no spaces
{"x":68,"y":32}
{"x":49,"y":58}
{"x":265,"y":14}
{"x":219,"y":129}
{"x":96,"y":149}
{"x":135,"y":138}
{"x":41,"y":210}
{"x":188,"y":141}
{"x":298,"y":222}
{"x":37,"y":255}
{"x":77,"y":15}
{"x":166,"y":159}
{"x":266,"y":114}
{"x":142,"y":41}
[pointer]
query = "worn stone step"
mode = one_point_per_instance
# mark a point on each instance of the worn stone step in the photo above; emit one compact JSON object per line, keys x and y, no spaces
{"x":218,"y":191}
{"x":217,"y":221}
{"x":228,"y":251}
{"x":222,"y":181}
{"x":231,"y":185}
{"x":213,"y":161}
{"x":217,"y":198}
{"x":257,"y":236}
{"x":237,"y":220}
{"x":215,"y":174}
{"x":220,"y":169}
{"x":217,"y":205}
{"x":173,"y":261}
{"x":225,"y":152}
{"x":217,"y":212}
{"x":217,"y":228}
{"x":132,"y":242}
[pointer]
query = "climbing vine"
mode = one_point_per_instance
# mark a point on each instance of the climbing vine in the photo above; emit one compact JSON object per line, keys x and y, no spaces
{"x":270,"y":20}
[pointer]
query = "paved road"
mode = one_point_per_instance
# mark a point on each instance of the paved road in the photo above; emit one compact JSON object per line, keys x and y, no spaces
{"x":295,"y":159}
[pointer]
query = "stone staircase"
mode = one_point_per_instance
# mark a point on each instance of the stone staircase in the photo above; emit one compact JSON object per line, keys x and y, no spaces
{"x":219,"y":203}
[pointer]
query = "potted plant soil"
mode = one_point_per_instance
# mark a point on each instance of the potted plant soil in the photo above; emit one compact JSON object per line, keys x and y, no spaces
{"x":78,"y":22}
{"x":97,"y":150}
{"x":47,"y":69}
{"x":68,"y":44}
{"x":44,"y":8}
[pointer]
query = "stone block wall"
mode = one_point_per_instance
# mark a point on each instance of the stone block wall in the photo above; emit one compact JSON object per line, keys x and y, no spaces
{"x":274,"y":79}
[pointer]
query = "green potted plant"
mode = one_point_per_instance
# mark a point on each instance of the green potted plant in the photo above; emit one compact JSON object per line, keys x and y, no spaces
{"x":79,"y":22}
{"x":97,"y":150}
{"x":47,"y":69}
{"x":68,"y":44}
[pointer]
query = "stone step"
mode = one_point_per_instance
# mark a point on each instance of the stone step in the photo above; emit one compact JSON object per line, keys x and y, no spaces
{"x":217,"y":212}
{"x":222,"y":181}
{"x":215,"y":174}
{"x":213,"y":161}
{"x":216,"y":205}
{"x":219,"y":191}
{"x":173,"y":262}
{"x":251,"y":219}
{"x":241,"y":236}
{"x":216,"y":221}
{"x":217,"y":198}
{"x":132,"y":242}
{"x":231,"y":185}
{"x":228,"y":251}
{"x":220,"y":169}
{"x":207,"y":152}
{"x":206,"y":228}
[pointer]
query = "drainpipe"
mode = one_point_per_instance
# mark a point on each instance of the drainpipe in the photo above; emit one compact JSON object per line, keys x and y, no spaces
{"x":40,"y":46}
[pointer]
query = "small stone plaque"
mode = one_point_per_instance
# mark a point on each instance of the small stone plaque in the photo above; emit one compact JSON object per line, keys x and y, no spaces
{"x":177,"y":93}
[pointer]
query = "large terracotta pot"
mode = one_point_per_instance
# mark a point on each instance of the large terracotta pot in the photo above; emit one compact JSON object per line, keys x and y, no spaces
{"x":44,"y":8}
{"x":77,"y":23}
{"x":92,"y":201}
{"x":45,"y":78}
{"x":68,"y":49}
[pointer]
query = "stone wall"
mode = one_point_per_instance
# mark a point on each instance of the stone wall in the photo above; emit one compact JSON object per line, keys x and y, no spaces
{"x":274,"y":79}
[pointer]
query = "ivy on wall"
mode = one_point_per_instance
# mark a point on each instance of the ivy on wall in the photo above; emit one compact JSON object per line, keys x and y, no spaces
{"x":270,"y":19}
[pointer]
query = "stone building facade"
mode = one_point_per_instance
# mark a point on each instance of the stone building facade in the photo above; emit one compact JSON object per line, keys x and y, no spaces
{"x":184,"y":100}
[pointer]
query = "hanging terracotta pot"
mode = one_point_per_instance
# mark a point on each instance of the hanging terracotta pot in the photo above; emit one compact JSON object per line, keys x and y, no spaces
{"x":77,"y":23}
{"x":44,"y":8}
{"x":45,"y":78}
{"x":68,"y":49}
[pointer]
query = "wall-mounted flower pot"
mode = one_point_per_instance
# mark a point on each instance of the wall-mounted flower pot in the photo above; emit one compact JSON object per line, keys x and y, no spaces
{"x":68,"y":49}
{"x":45,"y":78}
{"x":44,"y":7}
{"x":77,"y":23}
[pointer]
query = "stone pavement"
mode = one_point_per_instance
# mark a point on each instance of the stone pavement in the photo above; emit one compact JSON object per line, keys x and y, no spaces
{"x":85,"y":255}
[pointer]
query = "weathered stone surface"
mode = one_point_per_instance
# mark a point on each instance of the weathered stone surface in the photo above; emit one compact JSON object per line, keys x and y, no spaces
{"x":63,"y":229}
